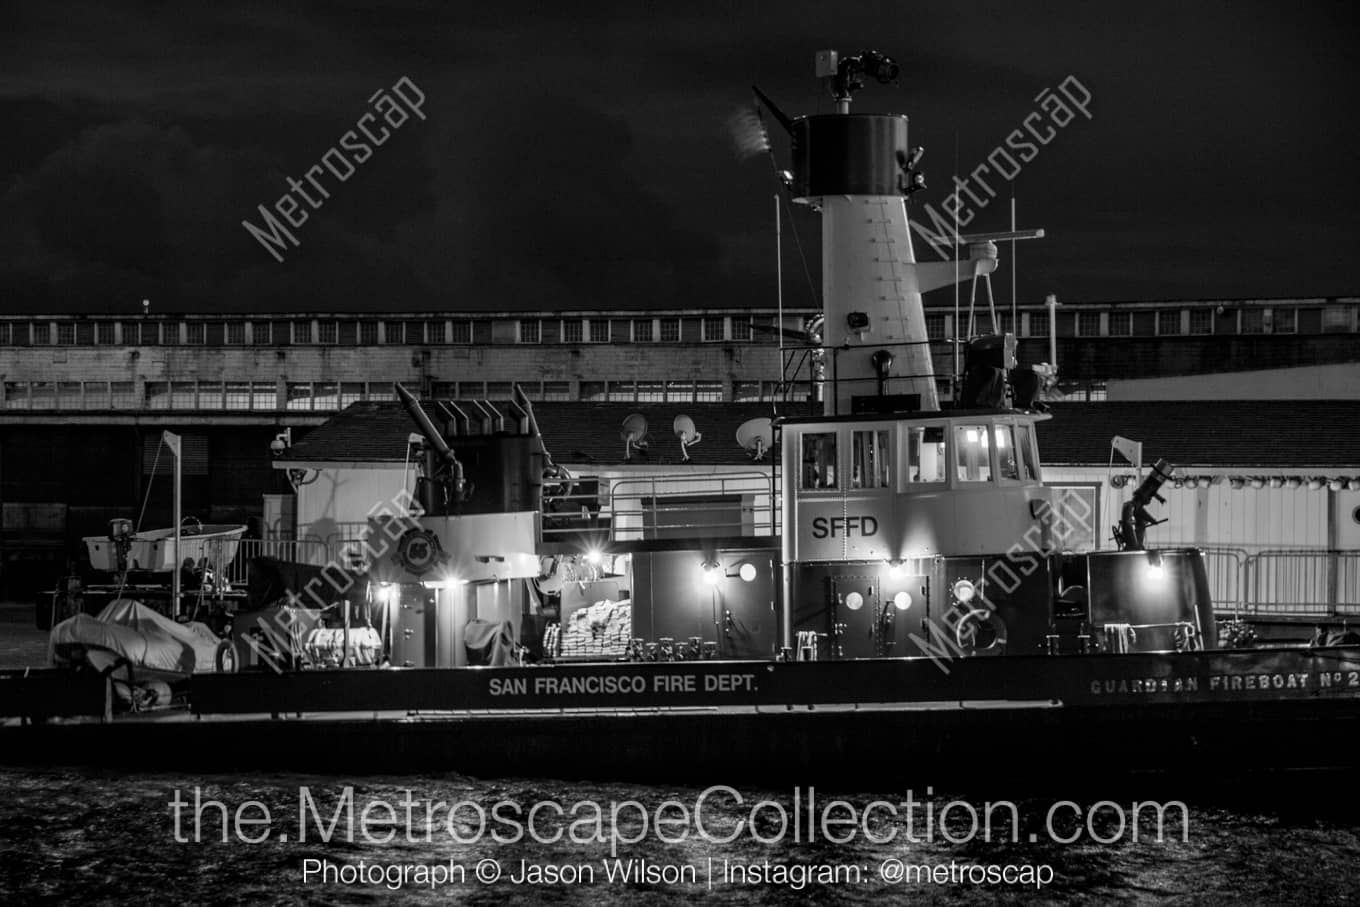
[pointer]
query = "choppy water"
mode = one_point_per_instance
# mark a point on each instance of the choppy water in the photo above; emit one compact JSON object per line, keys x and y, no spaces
{"x":96,"y":838}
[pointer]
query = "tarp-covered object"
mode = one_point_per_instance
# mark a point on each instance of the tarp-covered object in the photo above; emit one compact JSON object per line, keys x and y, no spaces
{"x":143,"y":636}
{"x":489,"y":643}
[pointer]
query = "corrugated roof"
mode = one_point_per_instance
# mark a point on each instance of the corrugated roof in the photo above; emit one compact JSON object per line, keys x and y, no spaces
{"x":1273,"y":433}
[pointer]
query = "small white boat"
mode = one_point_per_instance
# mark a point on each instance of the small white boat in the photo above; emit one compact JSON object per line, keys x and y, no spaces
{"x":154,"y":550}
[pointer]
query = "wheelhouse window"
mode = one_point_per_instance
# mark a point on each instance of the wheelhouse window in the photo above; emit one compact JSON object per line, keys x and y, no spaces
{"x":1007,"y":460}
{"x":869,"y":459}
{"x":972,"y":458}
{"x":819,"y":461}
{"x":1024,"y":443}
{"x":926,"y":462}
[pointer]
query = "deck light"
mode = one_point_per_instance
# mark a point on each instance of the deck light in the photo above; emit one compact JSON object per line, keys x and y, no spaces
{"x":902,"y":601}
{"x":1316,"y":482}
{"x":1155,"y":562}
{"x":711,"y":573}
{"x":895,"y":568}
{"x":1336,"y":484}
{"x":1237,"y":482}
{"x":593,"y":557}
{"x":964,"y":591}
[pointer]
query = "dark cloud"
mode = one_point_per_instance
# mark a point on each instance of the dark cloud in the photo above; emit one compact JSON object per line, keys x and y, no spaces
{"x":580,"y":159}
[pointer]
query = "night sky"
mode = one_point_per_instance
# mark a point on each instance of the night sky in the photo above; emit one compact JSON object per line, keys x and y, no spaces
{"x":572,"y":160}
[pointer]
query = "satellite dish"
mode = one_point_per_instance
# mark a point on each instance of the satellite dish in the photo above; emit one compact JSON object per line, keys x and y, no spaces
{"x":756,"y":436}
{"x":684,"y":429}
{"x":633,"y":434}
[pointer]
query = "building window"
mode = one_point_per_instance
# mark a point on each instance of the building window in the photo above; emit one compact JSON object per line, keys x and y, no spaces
{"x":103,"y":333}
{"x":393,"y":333}
{"x":351,"y":392}
{"x":96,"y":395}
{"x":210,"y":395}
{"x":935,"y":327}
{"x":436,"y":332}
{"x":819,"y":461}
{"x":1253,"y":321}
{"x":415,"y":332}
{"x":299,"y":395}
{"x":741,"y":329}
{"x":264,"y":395}
{"x":182,"y":395}
{"x":715,"y":329}
{"x":236,"y":333}
{"x":1038,"y":324}
{"x":170,"y":333}
{"x":500,"y":390}
{"x":471,"y":390}
{"x":599,"y":330}
{"x":651,"y":391}
{"x":131,"y":336}
{"x":708,"y":391}
{"x":66,"y":334}
{"x":122,"y":395}
{"x":1284,"y":321}
{"x":462,"y":332}
{"x":670,"y":330}
{"x":1169,"y":321}
{"x":1088,"y":324}
{"x":529,"y":330}
{"x":195,"y":333}
{"x":4,"y":332}
{"x":328,"y":332}
{"x":16,"y":395}
{"x":680,"y":391}
{"x":1003,"y":323}
{"x":592,"y":391}
{"x":68,"y":395}
{"x":1121,"y":324}
{"x":745,"y":391}
{"x":41,"y":333}
{"x":971,"y":453}
{"x":262,"y":332}
{"x":1201,"y":321}
{"x":621,"y":392}
{"x":869,"y":460}
{"x":444,"y":390}
{"x":571,"y":331}
{"x":43,"y":394}
{"x":157,"y":394}
{"x":642,"y":330}
{"x":325,"y":395}
{"x":556,"y":390}
{"x":368,"y":333}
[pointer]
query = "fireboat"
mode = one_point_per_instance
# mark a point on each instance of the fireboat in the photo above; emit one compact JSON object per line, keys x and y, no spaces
{"x":915,"y":618}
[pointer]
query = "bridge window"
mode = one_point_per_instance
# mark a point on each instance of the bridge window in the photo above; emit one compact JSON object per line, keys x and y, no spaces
{"x":925,"y":454}
{"x":870,"y":459}
{"x":972,"y":458}
{"x":819,"y":461}
{"x":1007,"y":463}
{"x":1029,"y":465}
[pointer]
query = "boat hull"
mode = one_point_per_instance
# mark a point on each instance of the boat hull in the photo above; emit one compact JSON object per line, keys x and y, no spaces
{"x":1050,"y":724}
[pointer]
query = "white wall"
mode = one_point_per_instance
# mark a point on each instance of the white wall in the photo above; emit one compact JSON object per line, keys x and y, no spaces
{"x":1221,"y":515}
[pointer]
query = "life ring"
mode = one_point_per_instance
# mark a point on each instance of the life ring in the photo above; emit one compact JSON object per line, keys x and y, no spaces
{"x":980,"y":630}
{"x":225,"y":659}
